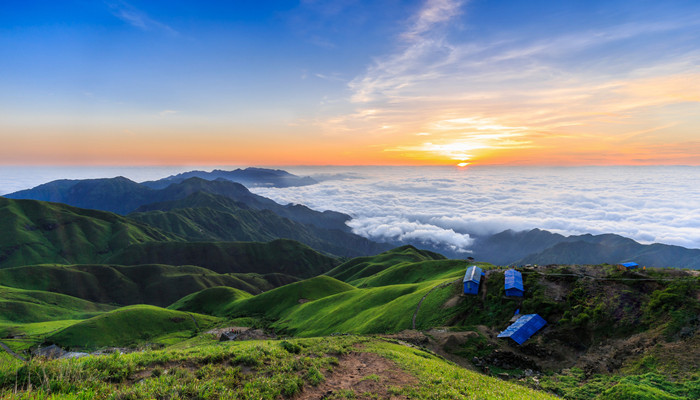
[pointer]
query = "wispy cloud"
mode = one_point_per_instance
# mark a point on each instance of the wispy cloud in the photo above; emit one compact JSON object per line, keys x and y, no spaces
{"x":536,"y":92}
{"x":137,"y":18}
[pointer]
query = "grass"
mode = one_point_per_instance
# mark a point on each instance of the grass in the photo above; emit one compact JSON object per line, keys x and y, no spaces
{"x":212,"y":301}
{"x":243,"y":370}
{"x":132,"y":326}
{"x":278,"y":256}
{"x":35,"y":232}
{"x":154,"y":284}
{"x":26,"y":306}
{"x":277,"y":302}
{"x":355,"y":270}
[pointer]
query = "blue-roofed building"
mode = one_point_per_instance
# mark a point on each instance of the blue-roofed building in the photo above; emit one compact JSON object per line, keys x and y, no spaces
{"x":522,"y":329}
{"x":514,"y":283}
{"x":472,"y":279}
{"x":630,"y":265}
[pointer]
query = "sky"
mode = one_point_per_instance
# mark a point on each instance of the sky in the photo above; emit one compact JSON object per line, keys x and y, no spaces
{"x":350,"y":82}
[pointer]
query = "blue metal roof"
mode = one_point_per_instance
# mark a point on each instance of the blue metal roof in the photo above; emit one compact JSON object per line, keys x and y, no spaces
{"x":473,"y":274}
{"x":514,"y":280}
{"x":522,"y":329}
{"x":630,"y":265}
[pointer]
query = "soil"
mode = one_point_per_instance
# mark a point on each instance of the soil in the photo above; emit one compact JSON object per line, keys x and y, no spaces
{"x":368,"y":375}
{"x":243,"y":332}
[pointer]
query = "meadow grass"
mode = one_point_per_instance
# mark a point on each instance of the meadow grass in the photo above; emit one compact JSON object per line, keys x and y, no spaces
{"x":131,"y":326}
{"x":241,"y":370}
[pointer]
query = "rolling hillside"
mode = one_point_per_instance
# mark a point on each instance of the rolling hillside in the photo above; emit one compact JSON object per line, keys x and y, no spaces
{"x":153,"y":284}
{"x":129,"y":326}
{"x":34,"y":232}
{"x":207,"y":217}
{"x":278,"y":256}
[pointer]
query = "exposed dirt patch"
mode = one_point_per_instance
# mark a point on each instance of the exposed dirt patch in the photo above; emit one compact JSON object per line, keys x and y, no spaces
{"x":440,"y":341}
{"x":242,"y":333}
{"x":453,"y":301}
{"x":367,"y":375}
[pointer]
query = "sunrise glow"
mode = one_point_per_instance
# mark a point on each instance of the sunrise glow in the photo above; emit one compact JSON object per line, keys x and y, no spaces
{"x":432,"y":82}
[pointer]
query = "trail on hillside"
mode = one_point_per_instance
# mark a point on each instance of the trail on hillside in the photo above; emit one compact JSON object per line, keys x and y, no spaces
{"x":415,"y":313}
{"x":367,"y":375}
{"x":12,"y":353}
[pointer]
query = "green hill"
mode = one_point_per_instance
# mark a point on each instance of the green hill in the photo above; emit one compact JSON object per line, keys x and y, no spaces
{"x":278,"y":256}
{"x":153,"y":284}
{"x":208,"y":217}
{"x":211,"y":301}
{"x":361,"y":267}
{"x":34,"y":232}
{"x":276,"y":302}
{"x":26,"y":306}
{"x":129,"y":326}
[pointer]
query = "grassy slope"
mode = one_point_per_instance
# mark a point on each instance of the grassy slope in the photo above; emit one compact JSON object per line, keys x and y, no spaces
{"x":128,"y":326}
{"x":274,"y":370}
{"x":276,"y":302}
{"x":33,"y":232}
{"x":207,"y":217}
{"x":211,"y":301}
{"x":358,"y":268}
{"x":24,"y":306}
{"x":278,"y":256}
{"x":381,"y":309}
{"x":152,"y":284}
{"x":377,"y":308}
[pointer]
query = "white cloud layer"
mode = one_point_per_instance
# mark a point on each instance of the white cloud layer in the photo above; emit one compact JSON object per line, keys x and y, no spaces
{"x":443,"y":206}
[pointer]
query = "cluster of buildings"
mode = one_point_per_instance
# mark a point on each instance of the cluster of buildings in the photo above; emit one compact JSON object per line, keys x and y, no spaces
{"x":525,"y":325}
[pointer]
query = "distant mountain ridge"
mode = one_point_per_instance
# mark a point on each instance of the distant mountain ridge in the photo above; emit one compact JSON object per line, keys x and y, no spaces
{"x":207,"y":217}
{"x":250,"y":177}
{"x":542,"y":247}
{"x":122,"y":196}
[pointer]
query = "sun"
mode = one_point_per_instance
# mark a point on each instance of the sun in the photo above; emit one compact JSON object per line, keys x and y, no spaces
{"x":463,"y":164}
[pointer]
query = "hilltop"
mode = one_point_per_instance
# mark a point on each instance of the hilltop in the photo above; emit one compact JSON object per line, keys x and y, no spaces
{"x":250,"y":177}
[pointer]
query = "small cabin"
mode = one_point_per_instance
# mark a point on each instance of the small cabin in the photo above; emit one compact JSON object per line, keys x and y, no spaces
{"x":514,"y":283}
{"x":523,"y":328}
{"x":472,"y":279}
{"x":629,"y":265}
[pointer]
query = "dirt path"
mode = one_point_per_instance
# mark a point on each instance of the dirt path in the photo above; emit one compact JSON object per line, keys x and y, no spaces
{"x":10,"y":352}
{"x":367,"y":375}
{"x":415,"y":313}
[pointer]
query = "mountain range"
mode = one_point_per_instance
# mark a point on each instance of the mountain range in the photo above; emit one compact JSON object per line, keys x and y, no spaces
{"x":250,"y":177}
{"x":209,"y":206}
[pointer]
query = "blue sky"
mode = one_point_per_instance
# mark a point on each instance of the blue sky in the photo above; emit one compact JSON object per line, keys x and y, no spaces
{"x":350,"y":82}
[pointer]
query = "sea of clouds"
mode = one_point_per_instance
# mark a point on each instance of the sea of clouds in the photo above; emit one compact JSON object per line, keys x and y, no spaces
{"x":447,"y":207}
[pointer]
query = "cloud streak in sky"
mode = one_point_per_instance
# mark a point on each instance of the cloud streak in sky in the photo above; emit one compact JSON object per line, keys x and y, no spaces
{"x":582,"y":90}
{"x":137,"y":18}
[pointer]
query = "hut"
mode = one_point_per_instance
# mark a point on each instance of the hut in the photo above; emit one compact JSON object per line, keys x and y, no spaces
{"x":514,"y":283}
{"x":523,"y":328}
{"x":629,"y":265}
{"x":472,"y":279}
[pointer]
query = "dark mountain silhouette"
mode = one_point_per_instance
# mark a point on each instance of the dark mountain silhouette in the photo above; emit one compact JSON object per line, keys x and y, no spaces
{"x":119,"y":195}
{"x":122,"y":196}
{"x":249,"y":177}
